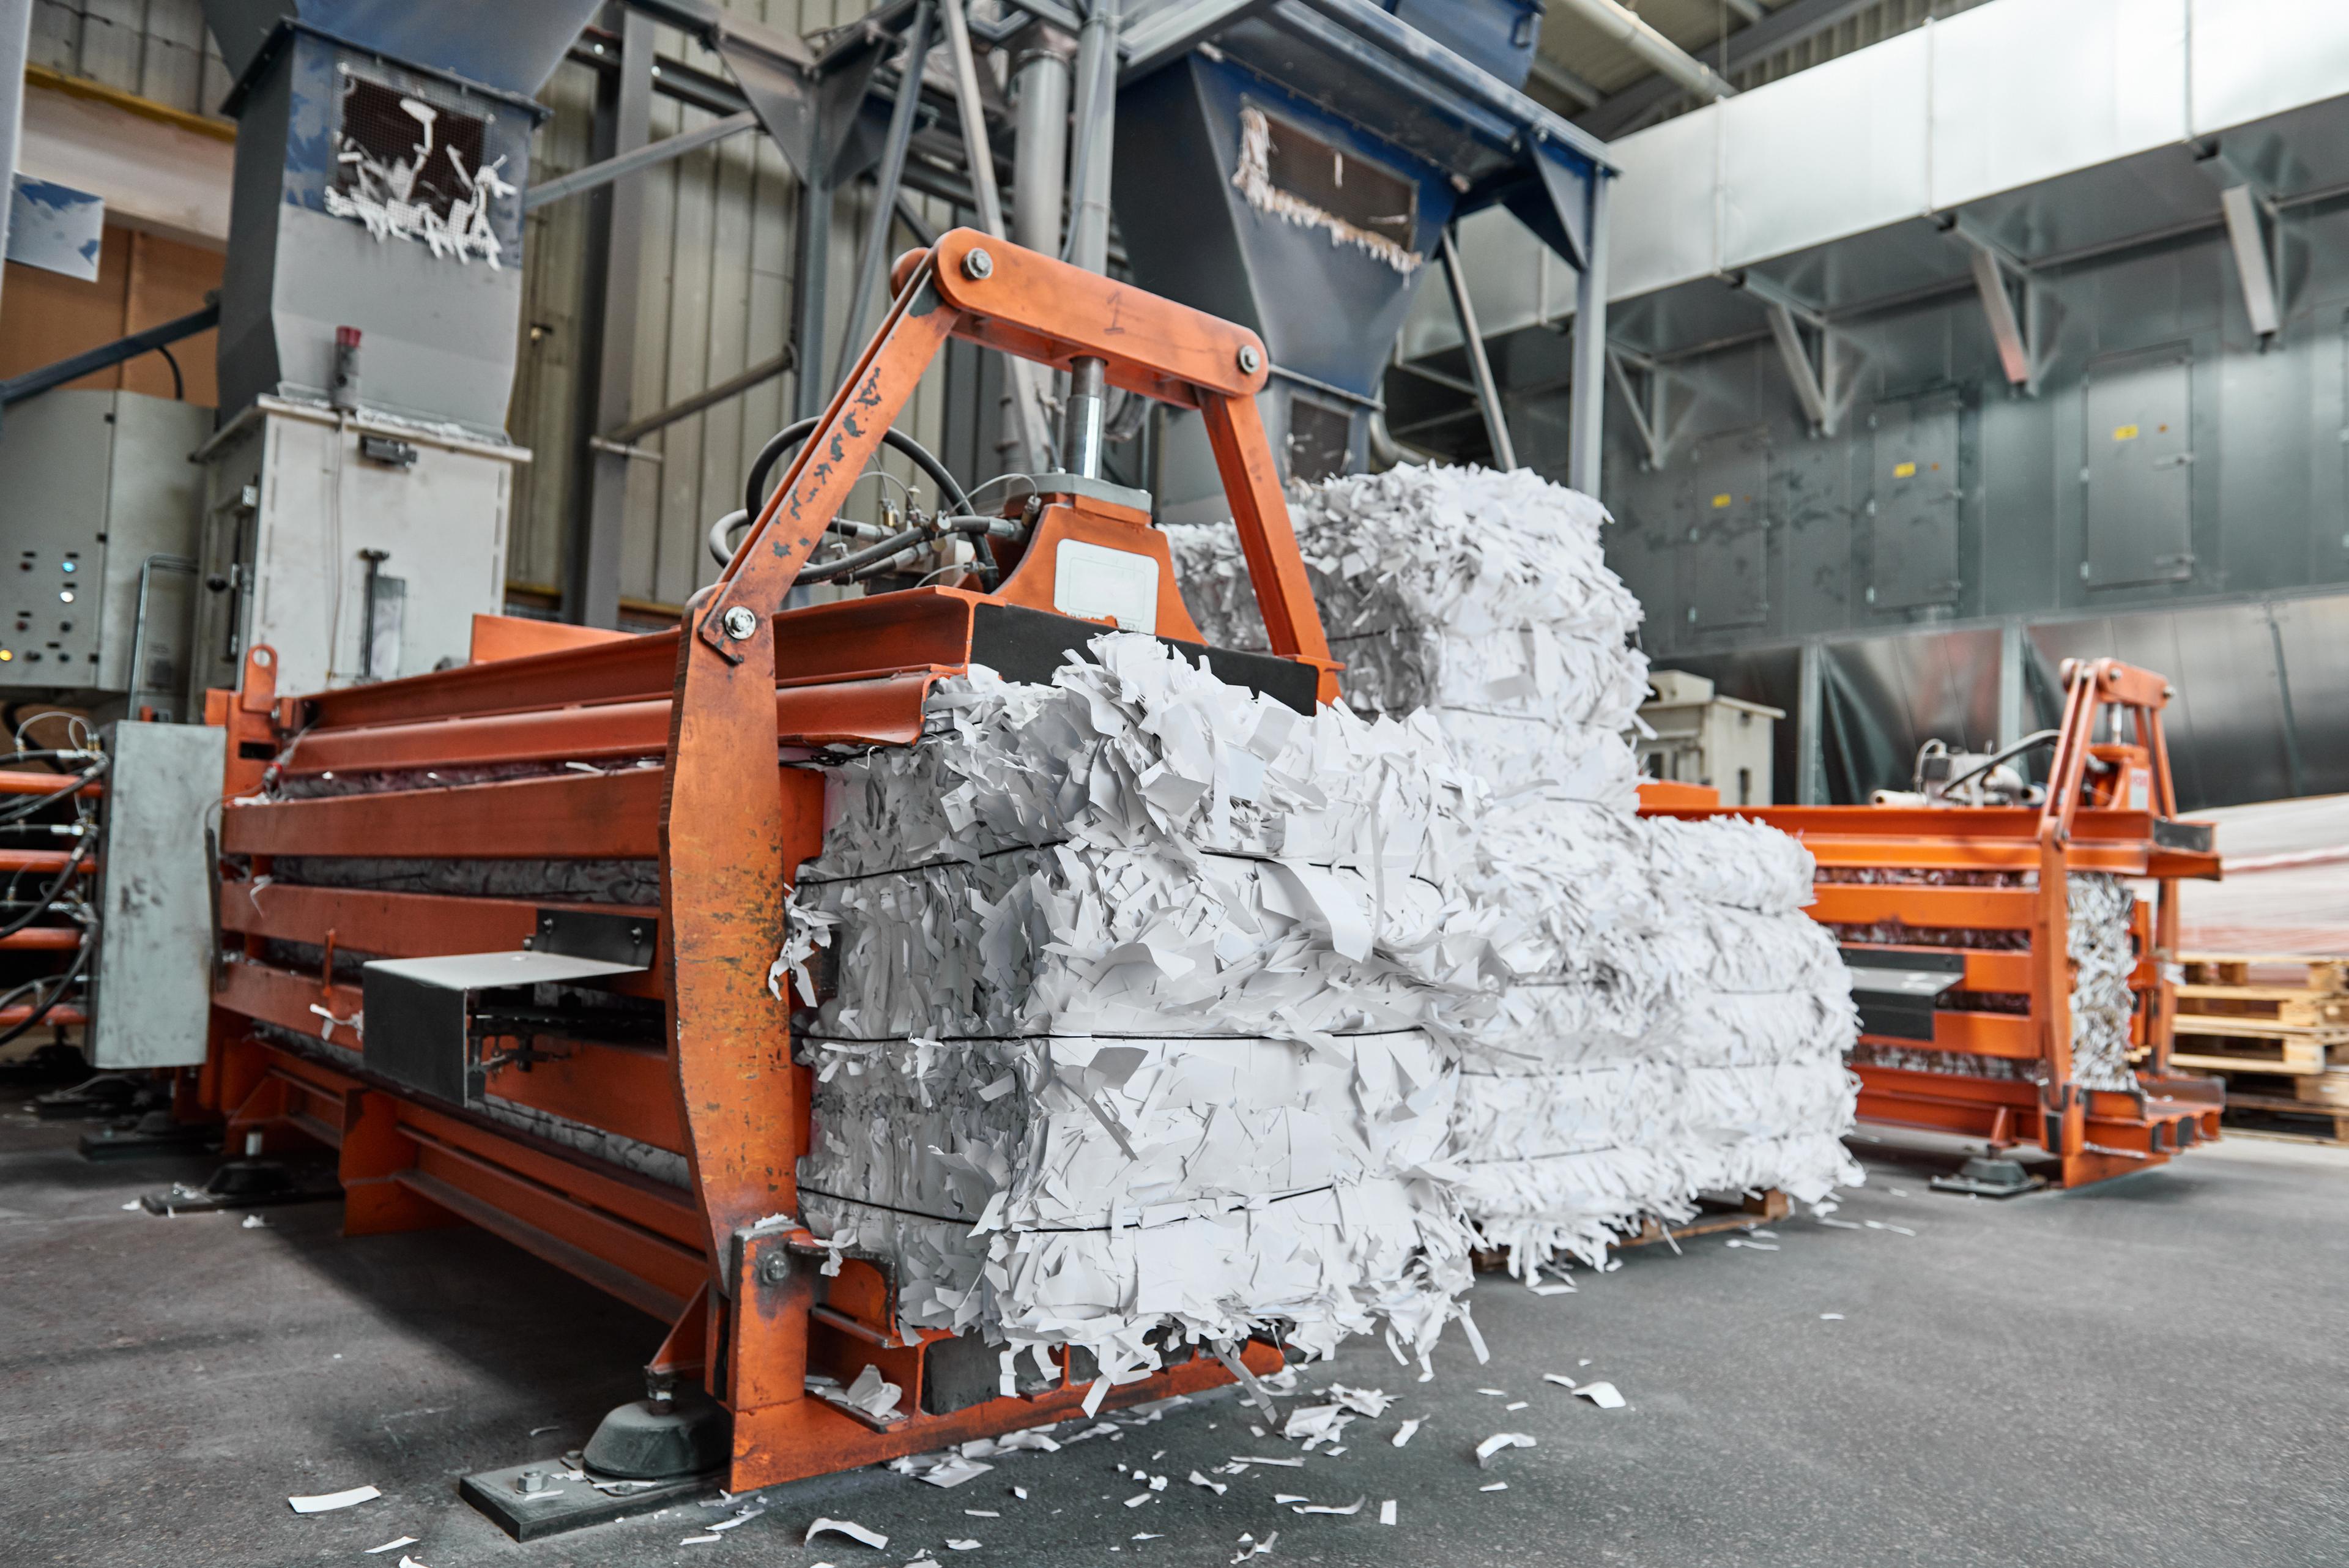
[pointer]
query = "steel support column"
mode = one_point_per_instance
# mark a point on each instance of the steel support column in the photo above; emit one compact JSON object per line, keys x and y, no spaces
{"x":591,"y":588}
{"x":1810,"y":733}
{"x":15,"y":45}
{"x":1585,"y":406}
{"x":1480,"y":366}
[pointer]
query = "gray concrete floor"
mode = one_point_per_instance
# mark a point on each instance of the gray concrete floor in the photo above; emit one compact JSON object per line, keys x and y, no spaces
{"x":2151,"y":1372}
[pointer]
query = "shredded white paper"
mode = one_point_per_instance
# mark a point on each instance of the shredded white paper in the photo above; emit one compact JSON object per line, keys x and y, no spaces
{"x":1138,"y":1034}
{"x":1672,"y":1021}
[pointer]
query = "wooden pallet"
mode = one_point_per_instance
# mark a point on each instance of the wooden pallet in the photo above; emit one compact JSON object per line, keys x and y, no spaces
{"x":2317,"y":1095}
{"x":2243,"y":1012}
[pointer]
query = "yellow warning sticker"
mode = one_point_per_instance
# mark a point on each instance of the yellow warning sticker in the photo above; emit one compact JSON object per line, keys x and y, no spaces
{"x":2126,"y":432}
{"x":1719,"y":502}
{"x":1904,"y":470}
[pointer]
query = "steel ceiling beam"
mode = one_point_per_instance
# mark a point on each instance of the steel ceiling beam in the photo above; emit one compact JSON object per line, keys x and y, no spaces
{"x":1782,"y":28}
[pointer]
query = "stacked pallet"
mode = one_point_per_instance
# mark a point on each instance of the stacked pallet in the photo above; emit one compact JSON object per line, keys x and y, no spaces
{"x":2277,"y":1025}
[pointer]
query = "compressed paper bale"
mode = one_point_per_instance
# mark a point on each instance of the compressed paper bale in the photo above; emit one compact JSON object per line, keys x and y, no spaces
{"x":1139,"y":951}
{"x":2104,"y":953}
{"x":1571,"y":1111}
{"x":1461,"y":590}
{"x":1743,"y":1028}
{"x":1543,"y":1207}
{"x":1734,"y":861}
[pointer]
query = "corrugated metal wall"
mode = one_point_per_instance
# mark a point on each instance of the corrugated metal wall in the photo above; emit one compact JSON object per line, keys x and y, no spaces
{"x":717,"y":294}
{"x":156,"y":49}
{"x":717,"y":286}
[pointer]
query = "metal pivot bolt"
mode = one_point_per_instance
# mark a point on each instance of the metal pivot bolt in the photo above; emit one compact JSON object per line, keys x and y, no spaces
{"x":1251,"y":360}
{"x":976,"y":264}
{"x":774,"y":1268}
{"x":739,"y":622}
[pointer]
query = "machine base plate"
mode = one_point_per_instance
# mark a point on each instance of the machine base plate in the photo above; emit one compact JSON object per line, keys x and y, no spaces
{"x":569,"y":1504}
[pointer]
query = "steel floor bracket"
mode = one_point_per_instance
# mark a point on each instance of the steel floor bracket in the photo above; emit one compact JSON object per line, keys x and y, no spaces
{"x":556,"y":1503}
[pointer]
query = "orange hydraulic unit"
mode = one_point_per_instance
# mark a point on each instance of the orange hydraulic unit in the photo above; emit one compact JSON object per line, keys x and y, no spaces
{"x":1952,"y":907}
{"x":662,"y":779}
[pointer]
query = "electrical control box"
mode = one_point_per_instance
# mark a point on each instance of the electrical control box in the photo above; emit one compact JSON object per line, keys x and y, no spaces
{"x":97,"y":563}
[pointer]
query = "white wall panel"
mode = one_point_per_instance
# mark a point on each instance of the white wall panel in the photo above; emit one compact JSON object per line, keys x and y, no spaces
{"x":2256,"y":57}
{"x":1665,"y":217}
{"x":2023,"y":92}
{"x":1838,"y":149}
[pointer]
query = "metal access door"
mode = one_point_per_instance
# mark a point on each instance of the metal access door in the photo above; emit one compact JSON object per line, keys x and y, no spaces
{"x":2138,"y":470}
{"x":1914,"y":498}
{"x":1720,"y":512}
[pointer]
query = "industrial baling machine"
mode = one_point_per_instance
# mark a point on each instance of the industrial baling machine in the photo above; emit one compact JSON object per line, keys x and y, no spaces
{"x":1952,"y":906}
{"x":501,"y":934}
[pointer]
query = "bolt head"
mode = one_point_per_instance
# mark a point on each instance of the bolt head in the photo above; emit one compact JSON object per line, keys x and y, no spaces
{"x":775,"y":1268}
{"x":1251,"y":360}
{"x":741,"y":622}
{"x":976,"y":264}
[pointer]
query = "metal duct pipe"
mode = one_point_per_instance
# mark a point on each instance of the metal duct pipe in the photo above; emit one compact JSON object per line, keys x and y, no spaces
{"x":1039,"y":184}
{"x":1040,"y":154}
{"x":1096,"y":137}
{"x":1626,"y":27}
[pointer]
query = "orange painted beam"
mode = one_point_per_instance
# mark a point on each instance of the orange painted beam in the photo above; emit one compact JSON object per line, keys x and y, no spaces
{"x":1976,"y":908}
{"x":581,"y":817}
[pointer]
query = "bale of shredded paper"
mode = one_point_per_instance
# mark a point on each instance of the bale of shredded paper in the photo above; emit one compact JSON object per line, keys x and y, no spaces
{"x":1481,"y":598}
{"x":1759,"y":1108}
{"x":1669,"y":1023}
{"x":1144,"y":986}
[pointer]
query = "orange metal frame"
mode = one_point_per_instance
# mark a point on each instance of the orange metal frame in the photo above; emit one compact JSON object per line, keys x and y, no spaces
{"x":2100,"y":822}
{"x":715,"y":703}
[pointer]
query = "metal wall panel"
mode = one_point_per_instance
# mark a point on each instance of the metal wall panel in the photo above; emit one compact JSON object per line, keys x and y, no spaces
{"x":2255,"y":58}
{"x":1839,"y":149}
{"x":1915,"y":493}
{"x":2022,"y":93}
{"x":2136,"y":468}
{"x":2312,"y":637}
{"x":1721,"y":515}
{"x":1886,"y":697}
{"x":151,"y":993}
{"x":1665,"y":222}
{"x":2226,"y":726}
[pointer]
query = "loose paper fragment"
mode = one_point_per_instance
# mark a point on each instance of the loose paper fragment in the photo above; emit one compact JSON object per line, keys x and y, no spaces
{"x":327,"y":1502}
{"x":1404,"y":1432}
{"x":745,"y":1517}
{"x":1218,"y":1488}
{"x":1493,"y":1486}
{"x":1290,"y":1497}
{"x":1351,"y":1508}
{"x":1137,"y":1499}
{"x":1256,"y":1460}
{"x":1602,"y":1394}
{"x":1498,"y":1442}
{"x":1560,"y":1379}
{"x":1830,"y":1317}
{"x":392,"y":1545}
{"x":848,"y":1527}
{"x":983,"y":1514}
{"x":1387,"y":1511}
{"x":699,"y":1540}
{"x":955,"y":1471}
{"x":953,"y":1545}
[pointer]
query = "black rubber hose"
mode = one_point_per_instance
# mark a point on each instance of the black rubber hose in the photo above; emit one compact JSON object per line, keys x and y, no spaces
{"x":49,"y":894}
{"x":789,"y":438}
{"x":64,"y":983}
{"x":74,"y":786}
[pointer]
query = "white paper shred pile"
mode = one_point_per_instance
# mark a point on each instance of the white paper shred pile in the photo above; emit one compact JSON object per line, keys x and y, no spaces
{"x":1142,"y":990}
{"x":1672,"y":1022}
